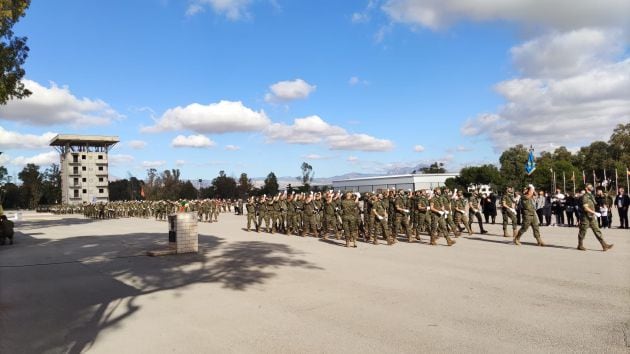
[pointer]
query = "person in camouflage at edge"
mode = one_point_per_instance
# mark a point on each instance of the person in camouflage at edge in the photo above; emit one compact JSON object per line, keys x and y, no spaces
{"x":508,"y":210}
{"x":349,"y":219}
{"x":529,"y":217}
{"x":401,"y":213}
{"x":460,"y":212}
{"x":589,"y":220}
{"x":438,"y":216}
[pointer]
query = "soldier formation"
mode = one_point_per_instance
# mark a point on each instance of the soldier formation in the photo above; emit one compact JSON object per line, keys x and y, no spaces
{"x":385,"y":215}
{"x":207,"y":210}
{"x":371,"y":216}
{"x":437,"y":213}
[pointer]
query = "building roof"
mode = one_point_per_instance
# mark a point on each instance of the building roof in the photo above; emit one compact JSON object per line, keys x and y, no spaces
{"x":70,"y":139}
{"x":398,"y":176}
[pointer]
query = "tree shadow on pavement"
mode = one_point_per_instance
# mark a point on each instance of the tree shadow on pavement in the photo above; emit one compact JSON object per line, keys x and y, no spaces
{"x":40,"y":224}
{"x":57,"y":296}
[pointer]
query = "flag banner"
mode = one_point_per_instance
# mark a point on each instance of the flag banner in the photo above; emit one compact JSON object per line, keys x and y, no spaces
{"x":530,"y":166}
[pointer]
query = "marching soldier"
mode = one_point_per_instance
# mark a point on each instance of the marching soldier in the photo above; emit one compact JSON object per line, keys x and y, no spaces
{"x":379,"y":214}
{"x":330,"y":217}
{"x":349,"y":218}
{"x":310,"y":224}
{"x":508,"y":208}
{"x":474,"y":211}
{"x":529,"y":217}
{"x":251,"y":213}
{"x":401,"y":216}
{"x":448,"y":216}
{"x":438,"y":216}
{"x":460,"y":212}
{"x":589,"y":220}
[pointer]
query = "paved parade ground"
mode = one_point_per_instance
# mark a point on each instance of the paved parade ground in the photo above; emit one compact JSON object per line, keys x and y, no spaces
{"x":71,"y":284}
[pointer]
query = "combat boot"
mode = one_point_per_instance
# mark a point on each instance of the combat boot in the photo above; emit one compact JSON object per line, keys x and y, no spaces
{"x":347,"y":243}
{"x":580,"y":246}
{"x":374,"y":241}
{"x":540,"y":242}
{"x":505,"y":234}
{"x":432,"y":242}
{"x":337,"y":235}
{"x":517,"y":239}
{"x":605,"y":246}
{"x":449,"y":241}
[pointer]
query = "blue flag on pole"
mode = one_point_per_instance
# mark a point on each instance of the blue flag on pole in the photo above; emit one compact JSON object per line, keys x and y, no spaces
{"x":530,"y":166}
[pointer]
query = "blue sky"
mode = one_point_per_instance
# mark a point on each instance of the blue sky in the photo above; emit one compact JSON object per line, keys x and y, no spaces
{"x":210,"y":85}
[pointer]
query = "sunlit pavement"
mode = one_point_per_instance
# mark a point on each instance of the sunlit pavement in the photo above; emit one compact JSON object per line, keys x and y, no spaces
{"x":71,"y":284}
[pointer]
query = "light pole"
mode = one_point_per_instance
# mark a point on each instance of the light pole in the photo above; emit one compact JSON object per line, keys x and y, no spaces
{"x":199,"y":190}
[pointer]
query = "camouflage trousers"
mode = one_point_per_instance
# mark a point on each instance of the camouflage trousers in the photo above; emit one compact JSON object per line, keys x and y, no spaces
{"x":508,"y":216}
{"x":350,"y":228}
{"x":462,"y":218}
{"x":589,"y":222}
{"x":438,"y":225}
{"x":530,"y":220}
{"x":401,"y":223}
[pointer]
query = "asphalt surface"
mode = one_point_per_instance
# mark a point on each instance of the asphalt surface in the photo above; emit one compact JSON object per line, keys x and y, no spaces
{"x":74,"y":285}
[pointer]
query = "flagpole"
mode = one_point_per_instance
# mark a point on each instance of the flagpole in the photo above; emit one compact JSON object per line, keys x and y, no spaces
{"x":605,"y":179}
{"x":584,"y":178}
{"x":627,"y":179}
{"x":594,"y":179}
{"x":564,"y":183}
{"x":573,"y":182}
{"x":616,"y":179}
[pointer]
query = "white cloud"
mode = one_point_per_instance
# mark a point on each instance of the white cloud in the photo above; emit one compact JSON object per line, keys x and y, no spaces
{"x":355,"y":80}
{"x":359,"y":142}
{"x":315,"y":157}
{"x":15,"y":140}
{"x":180,"y":163}
{"x":232,"y":9}
{"x":43,"y":159}
{"x":365,"y":15}
{"x":359,"y":17}
{"x":57,"y":105}
{"x":153,"y":164}
{"x":352,"y":159}
{"x":232,"y":148}
{"x":314,"y":130}
{"x":559,"y":14}
{"x":308,"y":130}
{"x":120,"y":159}
{"x":137,"y":144}
{"x":285,"y":91}
{"x":418,"y":148}
{"x":222,"y":117}
{"x":557,"y":104}
{"x":560,"y":55}
{"x":192,"y":141}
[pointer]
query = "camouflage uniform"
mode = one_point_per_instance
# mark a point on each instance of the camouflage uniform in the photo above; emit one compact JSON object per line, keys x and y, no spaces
{"x":349,"y":220}
{"x":529,"y":219}
{"x":401,"y":217}
{"x":507,"y":205}
{"x":589,"y":220}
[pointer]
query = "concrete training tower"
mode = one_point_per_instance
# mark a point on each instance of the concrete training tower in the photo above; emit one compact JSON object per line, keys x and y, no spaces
{"x":84,"y":167}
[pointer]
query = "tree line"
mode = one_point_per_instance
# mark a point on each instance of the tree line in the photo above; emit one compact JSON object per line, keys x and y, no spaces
{"x":598,"y":161}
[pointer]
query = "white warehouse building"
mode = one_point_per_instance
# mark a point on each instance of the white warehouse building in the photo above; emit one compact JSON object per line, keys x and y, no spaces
{"x":412,"y":182}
